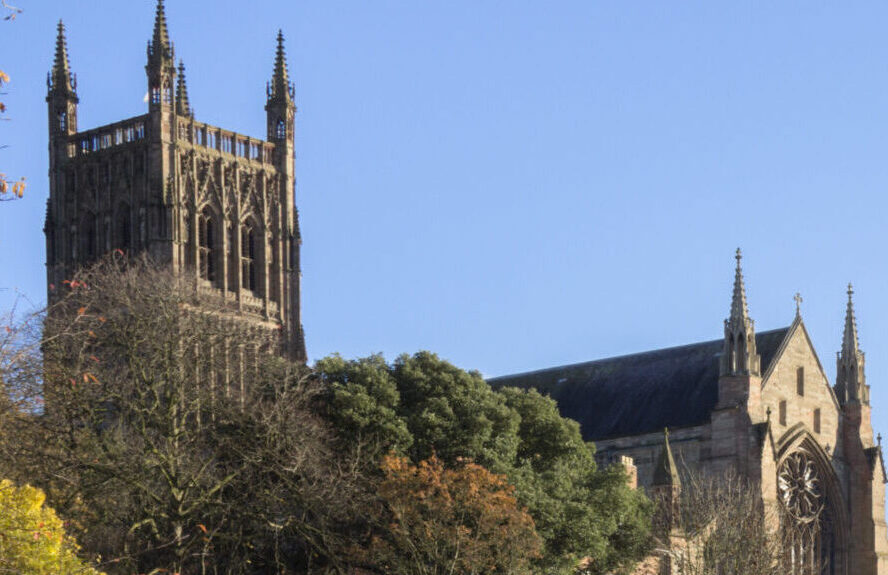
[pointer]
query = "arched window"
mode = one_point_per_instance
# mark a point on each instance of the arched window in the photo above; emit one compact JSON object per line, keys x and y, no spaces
{"x":281,"y":130}
{"x":167,"y":93}
{"x":63,"y":121}
{"x":206,"y":238}
{"x":248,"y":255}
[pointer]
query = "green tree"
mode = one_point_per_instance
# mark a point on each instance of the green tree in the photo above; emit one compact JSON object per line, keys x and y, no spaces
{"x":421,"y":406}
{"x":32,"y":537}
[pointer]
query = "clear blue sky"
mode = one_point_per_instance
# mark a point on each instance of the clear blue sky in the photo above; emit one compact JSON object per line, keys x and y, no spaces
{"x":517,"y":185}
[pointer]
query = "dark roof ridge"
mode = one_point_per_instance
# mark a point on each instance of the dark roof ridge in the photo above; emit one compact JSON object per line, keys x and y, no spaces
{"x":627,"y":355}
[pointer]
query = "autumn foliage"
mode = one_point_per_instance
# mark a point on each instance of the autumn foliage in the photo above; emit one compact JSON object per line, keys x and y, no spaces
{"x":32,"y":537}
{"x":9,"y":189}
{"x":464,"y":520}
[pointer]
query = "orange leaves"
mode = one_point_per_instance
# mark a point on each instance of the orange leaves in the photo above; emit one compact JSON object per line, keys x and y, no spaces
{"x":4,"y":77}
{"x":81,"y":311}
{"x":464,"y":519}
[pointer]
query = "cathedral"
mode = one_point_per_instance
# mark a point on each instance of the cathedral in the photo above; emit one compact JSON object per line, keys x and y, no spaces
{"x":220,"y":205}
{"x":204,"y":200}
{"x":756,"y":404}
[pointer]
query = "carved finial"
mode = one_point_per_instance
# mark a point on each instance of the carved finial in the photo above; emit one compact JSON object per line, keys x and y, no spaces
{"x":798,"y":301}
{"x":768,"y":413}
{"x":879,"y":439}
{"x":280,"y":80}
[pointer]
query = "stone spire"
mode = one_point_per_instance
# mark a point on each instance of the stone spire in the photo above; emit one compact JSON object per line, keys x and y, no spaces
{"x":280,"y":88}
{"x":183,"y":106}
{"x":60,"y":79}
{"x":850,"y":373}
{"x":739,"y":356}
{"x":160,"y":41}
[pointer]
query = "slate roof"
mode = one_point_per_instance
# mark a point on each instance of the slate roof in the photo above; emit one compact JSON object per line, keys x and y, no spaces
{"x":643,"y":392}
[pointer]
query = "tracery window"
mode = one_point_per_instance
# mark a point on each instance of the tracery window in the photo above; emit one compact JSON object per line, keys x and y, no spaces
{"x":248,"y":261}
{"x":281,"y":131}
{"x":807,"y":524}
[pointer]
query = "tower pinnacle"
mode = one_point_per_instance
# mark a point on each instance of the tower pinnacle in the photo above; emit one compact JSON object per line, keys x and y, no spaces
{"x":280,"y":87}
{"x":60,"y":77}
{"x":160,"y":41}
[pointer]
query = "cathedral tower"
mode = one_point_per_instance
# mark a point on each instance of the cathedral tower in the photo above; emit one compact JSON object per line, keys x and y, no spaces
{"x":205,"y":200}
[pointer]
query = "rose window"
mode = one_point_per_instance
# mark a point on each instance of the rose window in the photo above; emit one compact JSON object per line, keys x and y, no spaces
{"x":800,"y":488}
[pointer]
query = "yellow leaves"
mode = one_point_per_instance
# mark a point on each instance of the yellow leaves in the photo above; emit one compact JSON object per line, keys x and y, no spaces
{"x":34,"y":539}
{"x":4,"y":77}
{"x":13,"y":189}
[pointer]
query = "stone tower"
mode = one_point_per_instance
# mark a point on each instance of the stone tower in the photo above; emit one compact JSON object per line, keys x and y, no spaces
{"x":202,"y":199}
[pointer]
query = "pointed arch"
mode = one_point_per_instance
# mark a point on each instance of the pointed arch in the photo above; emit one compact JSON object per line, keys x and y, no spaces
{"x":825,"y":549}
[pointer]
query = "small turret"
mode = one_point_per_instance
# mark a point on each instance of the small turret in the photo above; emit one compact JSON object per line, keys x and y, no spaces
{"x":739,"y":356}
{"x":183,"y":106}
{"x":850,"y":363}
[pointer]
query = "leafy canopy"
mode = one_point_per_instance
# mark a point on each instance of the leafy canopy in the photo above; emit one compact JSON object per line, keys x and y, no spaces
{"x":421,"y":406}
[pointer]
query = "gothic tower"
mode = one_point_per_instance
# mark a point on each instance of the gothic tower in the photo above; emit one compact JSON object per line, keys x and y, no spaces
{"x":204,"y":200}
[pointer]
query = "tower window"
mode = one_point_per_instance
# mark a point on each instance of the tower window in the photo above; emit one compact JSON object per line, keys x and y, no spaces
{"x":817,"y":420}
{"x":248,"y":264}
{"x":281,"y":130}
{"x":800,"y":381}
{"x":207,"y":243}
{"x":155,"y":95}
{"x":782,"y":412}
{"x":167,"y":94}
{"x":63,"y":121}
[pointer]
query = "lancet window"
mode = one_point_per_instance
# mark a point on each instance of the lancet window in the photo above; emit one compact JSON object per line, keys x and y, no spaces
{"x":206,"y":238}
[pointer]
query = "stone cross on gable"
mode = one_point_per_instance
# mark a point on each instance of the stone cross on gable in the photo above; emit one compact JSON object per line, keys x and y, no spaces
{"x":798,"y":301}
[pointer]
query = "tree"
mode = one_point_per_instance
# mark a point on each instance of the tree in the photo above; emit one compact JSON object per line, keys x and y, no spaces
{"x":32,"y":537}
{"x":9,"y":189}
{"x":421,"y":406}
{"x":461,"y":521}
{"x":723,"y":527}
{"x":175,"y":436}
